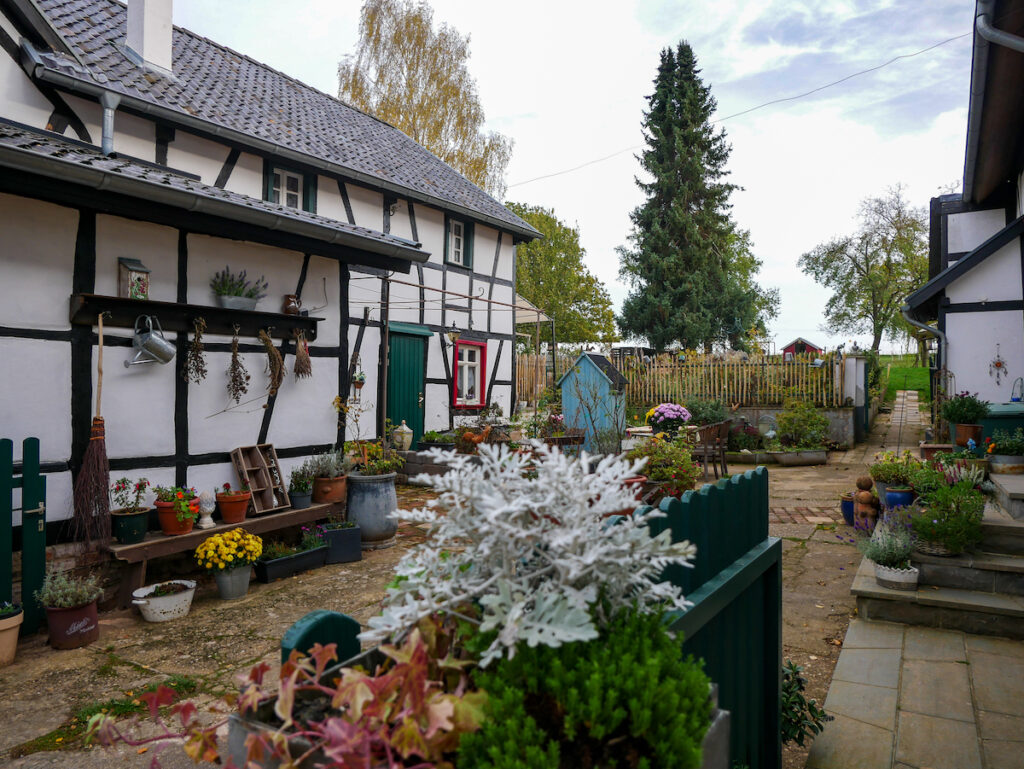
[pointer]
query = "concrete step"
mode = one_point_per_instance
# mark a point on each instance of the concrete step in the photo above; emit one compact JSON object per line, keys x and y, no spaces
{"x":1001,"y":534}
{"x":1010,"y":494}
{"x":969,"y":611}
{"x":987,"y":572}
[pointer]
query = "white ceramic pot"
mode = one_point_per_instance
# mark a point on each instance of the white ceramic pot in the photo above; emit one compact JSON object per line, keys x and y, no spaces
{"x":165,"y":607}
{"x":896,"y":579}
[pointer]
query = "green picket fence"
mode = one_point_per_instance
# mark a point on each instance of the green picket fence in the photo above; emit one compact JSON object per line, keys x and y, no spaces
{"x":33,"y":528}
{"x":735,"y":623}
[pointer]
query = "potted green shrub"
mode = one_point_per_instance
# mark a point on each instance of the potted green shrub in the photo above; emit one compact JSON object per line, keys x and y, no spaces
{"x":889,"y":547}
{"x":70,"y":604}
{"x":372,"y":499}
{"x":344,"y":540}
{"x":177,"y":507}
{"x":892,"y":470}
{"x":234,"y":503}
{"x":706,"y":411}
{"x":237,"y":292}
{"x":279,"y":560}
{"x":963,"y":412}
{"x":433,"y":439}
{"x":165,"y":601}
{"x":1005,"y":452}
{"x":803,"y":431}
{"x":129,"y":518}
{"x":300,"y":486}
{"x":950,"y":521}
{"x":669,"y":465}
{"x":330,"y":476}
{"x":11,"y":617}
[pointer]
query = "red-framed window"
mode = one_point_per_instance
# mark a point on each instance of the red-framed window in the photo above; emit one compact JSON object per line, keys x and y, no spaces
{"x":470,"y":374}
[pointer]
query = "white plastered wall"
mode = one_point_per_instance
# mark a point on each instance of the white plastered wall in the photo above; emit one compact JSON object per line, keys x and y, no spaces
{"x":19,"y":99}
{"x":998,"y":277}
{"x":973,"y":337}
{"x":367,"y":207}
{"x":966,"y":231}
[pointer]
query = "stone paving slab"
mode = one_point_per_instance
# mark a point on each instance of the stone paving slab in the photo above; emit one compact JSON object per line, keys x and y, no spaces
{"x":925,"y":643}
{"x":934,"y":688}
{"x":937,"y":743}
{"x":875,"y":705}
{"x":876,"y":667}
{"x":874,"y":635}
{"x":851,"y":744}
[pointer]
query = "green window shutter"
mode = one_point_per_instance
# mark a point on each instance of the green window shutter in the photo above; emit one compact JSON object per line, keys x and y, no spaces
{"x":268,"y":180}
{"x":467,"y":248}
{"x":447,"y":235}
{"x":309,"y":193}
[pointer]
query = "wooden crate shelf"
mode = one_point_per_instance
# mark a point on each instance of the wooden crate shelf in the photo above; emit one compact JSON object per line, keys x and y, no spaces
{"x":258,"y":466}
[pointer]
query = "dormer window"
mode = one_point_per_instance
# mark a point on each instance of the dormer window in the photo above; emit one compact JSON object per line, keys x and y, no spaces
{"x":458,"y":246}
{"x":288,"y":188}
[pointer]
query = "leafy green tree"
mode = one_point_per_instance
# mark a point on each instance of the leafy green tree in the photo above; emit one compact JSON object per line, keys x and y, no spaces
{"x":689,"y":268}
{"x":551,"y":273}
{"x":872,"y":271}
{"x":415,"y":77}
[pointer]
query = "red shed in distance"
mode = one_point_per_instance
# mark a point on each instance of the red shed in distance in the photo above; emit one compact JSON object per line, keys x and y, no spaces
{"x":801,"y":346}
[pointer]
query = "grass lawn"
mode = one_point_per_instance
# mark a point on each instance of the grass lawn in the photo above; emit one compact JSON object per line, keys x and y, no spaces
{"x":909,"y":378}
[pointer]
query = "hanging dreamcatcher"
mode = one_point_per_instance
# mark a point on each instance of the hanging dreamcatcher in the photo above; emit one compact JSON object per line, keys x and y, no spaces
{"x":997,"y":367}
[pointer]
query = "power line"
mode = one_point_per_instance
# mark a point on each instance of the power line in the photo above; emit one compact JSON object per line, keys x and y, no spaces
{"x":759,"y":106}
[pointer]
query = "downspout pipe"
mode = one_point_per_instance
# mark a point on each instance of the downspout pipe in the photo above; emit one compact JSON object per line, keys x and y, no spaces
{"x":993,"y":35}
{"x":941,"y":336}
{"x":109,"y":102}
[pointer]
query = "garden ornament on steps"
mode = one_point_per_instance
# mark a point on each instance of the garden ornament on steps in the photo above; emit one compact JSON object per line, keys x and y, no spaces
{"x":997,"y":367}
{"x":150,"y":345}
{"x":207,"y":503}
{"x":91,"y":518}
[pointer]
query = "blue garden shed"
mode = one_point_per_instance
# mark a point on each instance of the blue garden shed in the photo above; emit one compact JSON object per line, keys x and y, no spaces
{"x":594,"y":400}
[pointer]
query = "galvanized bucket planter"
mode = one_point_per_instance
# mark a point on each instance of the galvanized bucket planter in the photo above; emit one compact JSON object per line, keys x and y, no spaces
{"x":233,"y":583}
{"x":372,"y":501}
{"x":1005,"y":464}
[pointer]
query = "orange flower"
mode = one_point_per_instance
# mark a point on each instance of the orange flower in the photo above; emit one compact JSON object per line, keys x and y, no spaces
{"x":181,"y":495}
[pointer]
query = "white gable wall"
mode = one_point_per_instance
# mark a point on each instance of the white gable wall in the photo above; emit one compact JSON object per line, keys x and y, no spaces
{"x":21,"y":100}
{"x":998,"y":277}
{"x":966,"y":231}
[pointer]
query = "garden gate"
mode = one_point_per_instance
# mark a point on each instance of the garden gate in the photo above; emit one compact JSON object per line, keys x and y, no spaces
{"x":735,"y":623}
{"x":33,"y":528}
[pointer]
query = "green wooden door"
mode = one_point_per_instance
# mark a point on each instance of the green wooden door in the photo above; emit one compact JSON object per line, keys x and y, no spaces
{"x":406,"y":367}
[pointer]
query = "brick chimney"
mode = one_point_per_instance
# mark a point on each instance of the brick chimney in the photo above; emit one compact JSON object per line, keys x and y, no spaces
{"x":150,"y":30}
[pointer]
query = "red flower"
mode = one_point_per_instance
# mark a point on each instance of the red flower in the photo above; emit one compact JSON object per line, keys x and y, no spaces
{"x":181,"y":495}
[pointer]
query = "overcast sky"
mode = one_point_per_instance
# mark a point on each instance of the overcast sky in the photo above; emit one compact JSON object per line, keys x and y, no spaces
{"x":568,"y":82}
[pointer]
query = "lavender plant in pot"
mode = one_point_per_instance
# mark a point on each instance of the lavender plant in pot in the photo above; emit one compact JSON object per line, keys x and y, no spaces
{"x":70,"y":604}
{"x":237,"y":292}
{"x":300,"y":486}
{"x":889,"y":547}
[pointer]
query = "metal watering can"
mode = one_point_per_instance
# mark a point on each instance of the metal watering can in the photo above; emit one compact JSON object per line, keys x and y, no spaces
{"x":150,"y":346}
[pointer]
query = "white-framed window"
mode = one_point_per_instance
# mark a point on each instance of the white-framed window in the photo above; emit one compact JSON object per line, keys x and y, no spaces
{"x":469,"y":373}
{"x":286,"y":188}
{"x":456,"y":242}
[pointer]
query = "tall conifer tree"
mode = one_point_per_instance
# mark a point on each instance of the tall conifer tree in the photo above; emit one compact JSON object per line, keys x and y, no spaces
{"x":677,"y":263}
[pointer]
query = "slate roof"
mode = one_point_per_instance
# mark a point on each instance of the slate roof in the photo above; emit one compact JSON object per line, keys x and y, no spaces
{"x":220,"y":86}
{"x":23,"y":147}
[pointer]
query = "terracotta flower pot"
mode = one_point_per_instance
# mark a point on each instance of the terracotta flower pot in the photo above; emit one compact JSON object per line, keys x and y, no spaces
{"x":965,"y":433}
{"x":169,"y":523}
{"x":9,"y":627}
{"x":71,"y":628}
{"x":330,"y":490}
{"x":233,"y":507}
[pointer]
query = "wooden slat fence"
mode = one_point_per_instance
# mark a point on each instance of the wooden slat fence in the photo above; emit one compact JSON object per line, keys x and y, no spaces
{"x":735,"y":623}
{"x":33,"y":528}
{"x":533,"y":374}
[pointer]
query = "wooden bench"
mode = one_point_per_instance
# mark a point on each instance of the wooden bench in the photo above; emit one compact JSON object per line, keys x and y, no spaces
{"x":157,"y":545}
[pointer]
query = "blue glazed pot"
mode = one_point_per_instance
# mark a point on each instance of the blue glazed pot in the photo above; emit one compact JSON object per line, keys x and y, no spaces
{"x":372,"y":500}
{"x":846,"y":505}
{"x":898,"y":497}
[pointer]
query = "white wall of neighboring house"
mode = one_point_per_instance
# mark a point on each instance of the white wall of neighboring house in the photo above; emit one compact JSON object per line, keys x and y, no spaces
{"x":966,"y":231}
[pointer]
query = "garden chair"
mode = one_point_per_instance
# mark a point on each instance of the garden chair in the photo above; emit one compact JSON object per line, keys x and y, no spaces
{"x":723,"y":444}
{"x":706,"y":448}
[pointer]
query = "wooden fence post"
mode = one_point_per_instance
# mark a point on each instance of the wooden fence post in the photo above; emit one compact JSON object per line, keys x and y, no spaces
{"x":33,"y":529}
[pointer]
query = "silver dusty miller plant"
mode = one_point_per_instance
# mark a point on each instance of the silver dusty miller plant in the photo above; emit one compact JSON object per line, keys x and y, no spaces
{"x":533,"y":553}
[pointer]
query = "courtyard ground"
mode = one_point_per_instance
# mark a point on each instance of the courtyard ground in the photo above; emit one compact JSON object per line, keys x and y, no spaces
{"x":44,"y":691}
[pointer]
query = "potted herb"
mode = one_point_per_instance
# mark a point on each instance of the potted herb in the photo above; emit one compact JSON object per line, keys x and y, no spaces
{"x":129,"y":518}
{"x":234,"y":503}
{"x":330,"y":477}
{"x":963,"y":412}
{"x":279,"y":560}
{"x":950,"y":521}
{"x":669,"y":465}
{"x":432,"y":439}
{"x":372,"y":499}
{"x":802,"y":434}
{"x":344,"y":540}
{"x":165,"y":601}
{"x":300,"y":487}
{"x":889,"y":547}
{"x":358,"y":380}
{"x":892,"y":470}
{"x":1005,"y":452}
{"x":229,"y":557}
{"x":11,"y":617}
{"x":177,"y":507}
{"x":70,"y":604}
{"x":237,"y":292}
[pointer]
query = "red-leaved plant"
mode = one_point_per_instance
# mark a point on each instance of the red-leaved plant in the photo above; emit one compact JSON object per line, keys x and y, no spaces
{"x":409,"y":715}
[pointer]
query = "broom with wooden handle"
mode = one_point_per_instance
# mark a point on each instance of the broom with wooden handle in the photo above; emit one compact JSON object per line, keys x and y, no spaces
{"x":91,"y":518}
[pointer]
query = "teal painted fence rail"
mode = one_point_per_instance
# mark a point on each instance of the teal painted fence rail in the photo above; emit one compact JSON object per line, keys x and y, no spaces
{"x":33,"y":528}
{"x":735,"y":623}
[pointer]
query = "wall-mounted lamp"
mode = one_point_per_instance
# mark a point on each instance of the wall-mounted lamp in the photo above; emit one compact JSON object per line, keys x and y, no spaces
{"x":452,"y":334}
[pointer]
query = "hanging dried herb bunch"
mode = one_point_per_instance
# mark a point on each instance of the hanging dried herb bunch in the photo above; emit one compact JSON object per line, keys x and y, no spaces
{"x":303,"y":365}
{"x":238,"y":376}
{"x":195,"y":364}
{"x":275,"y":365}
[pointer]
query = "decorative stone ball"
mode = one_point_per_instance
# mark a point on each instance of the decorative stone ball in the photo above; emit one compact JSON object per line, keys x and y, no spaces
{"x":865,"y":497}
{"x":865,"y":483}
{"x":207,"y":502}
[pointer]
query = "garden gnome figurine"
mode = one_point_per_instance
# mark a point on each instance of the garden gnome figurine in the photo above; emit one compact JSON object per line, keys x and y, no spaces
{"x":207,"y":503}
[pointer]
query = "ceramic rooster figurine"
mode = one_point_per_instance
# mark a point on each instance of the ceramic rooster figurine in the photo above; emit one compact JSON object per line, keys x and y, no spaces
{"x":476,"y":438}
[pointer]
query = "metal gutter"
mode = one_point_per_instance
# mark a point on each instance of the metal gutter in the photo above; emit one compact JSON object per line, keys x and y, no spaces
{"x":943,"y":342}
{"x":38,"y":69}
{"x":979,"y":69}
{"x":99,"y":179}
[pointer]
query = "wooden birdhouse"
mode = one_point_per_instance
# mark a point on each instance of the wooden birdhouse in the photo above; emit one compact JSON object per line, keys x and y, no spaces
{"x":132,"y":279}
